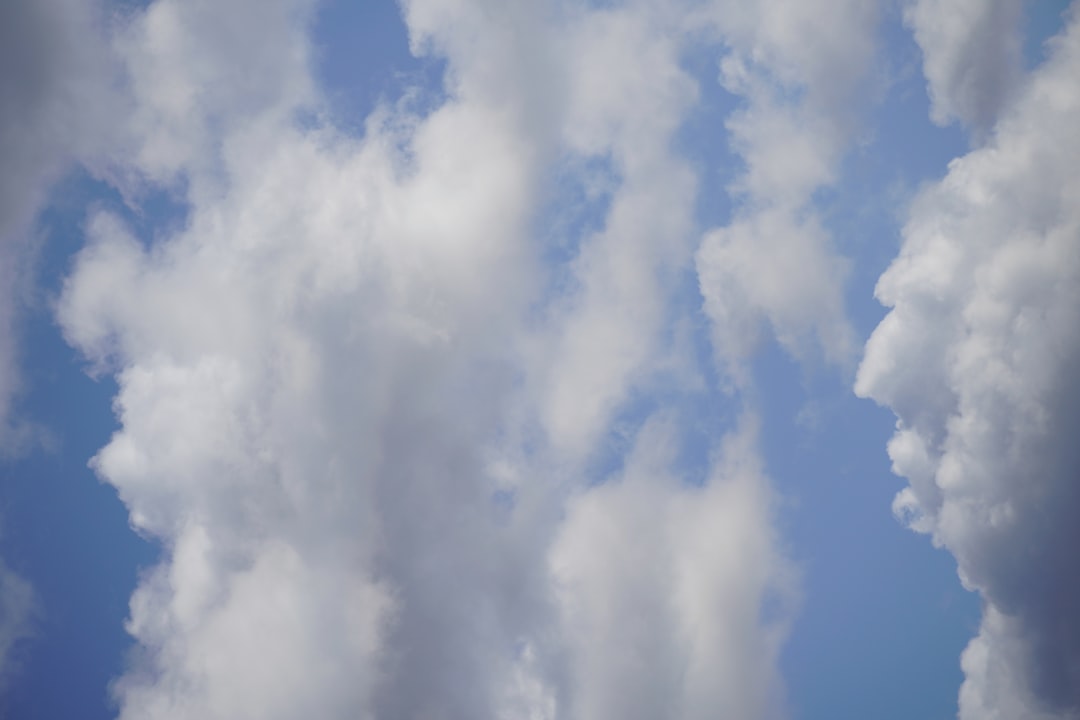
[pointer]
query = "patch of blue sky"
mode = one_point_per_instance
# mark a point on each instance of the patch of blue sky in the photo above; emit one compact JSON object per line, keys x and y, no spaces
{"x":1045,"y":18}
{"x":705,"y":403}
{"x":703,"y":140}
{"x":575,"y":207}
{"x":883,"y":617}
{"x":897,"y":151}
{"x":66,"y":532}
{"x":701,"y":420}
{"x":363,"y":60}
{"x":153,"y":213}
{"x":704,"y":412}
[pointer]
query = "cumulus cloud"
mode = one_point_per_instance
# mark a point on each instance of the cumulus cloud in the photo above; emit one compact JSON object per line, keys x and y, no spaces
{"x":626,"y":100}
{"x":971,"y":57}
{"x":197,"y":73}
{"x":799,"y":68}
{"x":665,"y":615}
{"x":359,"y":404}
{"x":977,"y":357}
{"x":307,"y":377}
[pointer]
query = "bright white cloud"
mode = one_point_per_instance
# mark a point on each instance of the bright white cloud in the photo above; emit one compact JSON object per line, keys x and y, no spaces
{"x":663,"y":609}
{"x":359,"y":421}
{"x":977,"y":357}
{"x":308,"y":375}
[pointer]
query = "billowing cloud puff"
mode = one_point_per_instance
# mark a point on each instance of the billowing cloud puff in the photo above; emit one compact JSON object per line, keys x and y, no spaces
{"x":977,"y":357}
{"x":197,"y":72}
{"x":308,"y":376}
{"x":360,"y":405}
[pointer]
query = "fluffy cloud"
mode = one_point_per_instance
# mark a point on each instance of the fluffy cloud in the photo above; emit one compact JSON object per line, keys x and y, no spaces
{"x":359,"y":404}
{"x":971,"y":57}
{"x":977,"y":357}
{"x":197,"y":73}
{"x":308,"y":374}
{"x":664,"y":613}
{"x":799,"y":67}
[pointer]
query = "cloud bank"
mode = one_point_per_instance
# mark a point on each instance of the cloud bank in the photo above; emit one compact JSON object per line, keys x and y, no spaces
{"x":411,"y":430}
{"x":362,"y":401}
{"x":977,"y":357}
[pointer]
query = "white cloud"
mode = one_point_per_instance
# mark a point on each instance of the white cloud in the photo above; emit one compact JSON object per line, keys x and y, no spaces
{"x":800,"y":67}
{"x":663,"y":608}
{"x":977,"y":358}
{"x":308,"y":375}
{"x":971,"y":57}
{"x":198,"y":73}
{"x":353,"y":414}
{"x":627,"y":97}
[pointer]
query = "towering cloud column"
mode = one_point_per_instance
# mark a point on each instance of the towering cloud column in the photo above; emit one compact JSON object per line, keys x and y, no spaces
{"x":978,"y":358}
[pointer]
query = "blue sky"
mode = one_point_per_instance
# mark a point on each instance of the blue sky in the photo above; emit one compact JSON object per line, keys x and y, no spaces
{"x":539,"y":360}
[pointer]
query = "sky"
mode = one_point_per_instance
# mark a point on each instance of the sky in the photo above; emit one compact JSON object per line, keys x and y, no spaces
{"x":558,"y":359}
